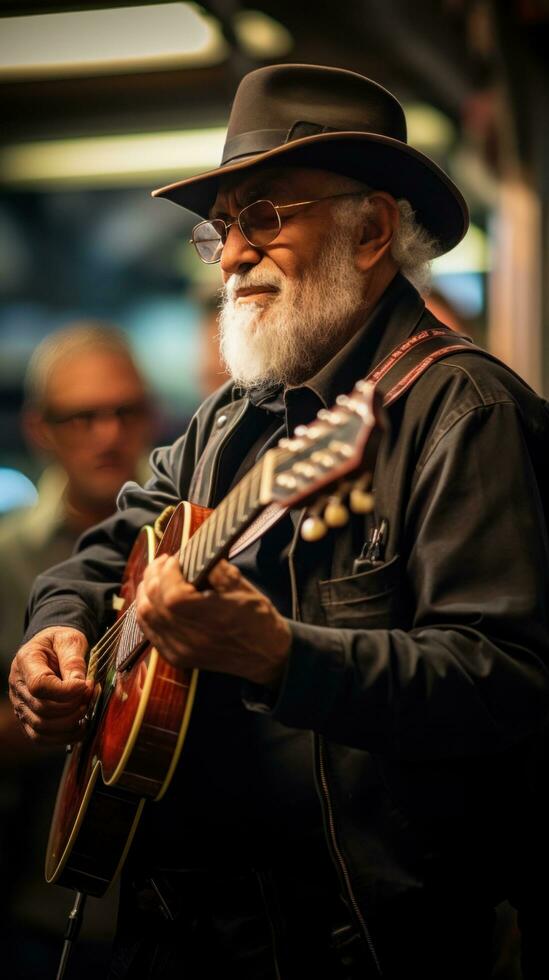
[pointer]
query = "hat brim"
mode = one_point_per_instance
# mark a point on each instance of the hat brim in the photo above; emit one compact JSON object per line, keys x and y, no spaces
{"x":386,"y":164}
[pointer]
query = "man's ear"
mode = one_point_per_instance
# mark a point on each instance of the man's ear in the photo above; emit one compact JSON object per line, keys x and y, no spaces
{"x":379,"y":227}
{"x":36,"y":430}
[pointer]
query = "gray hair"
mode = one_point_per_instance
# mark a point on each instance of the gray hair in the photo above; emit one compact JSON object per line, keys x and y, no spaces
{"x":412,"y":247}
{"x":80,"y":337}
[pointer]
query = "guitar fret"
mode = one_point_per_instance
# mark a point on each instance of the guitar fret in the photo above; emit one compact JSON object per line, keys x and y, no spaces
{"x":255,"y":484}
{"x":247,"y":494}
{"x":222,"y":527}
{"x":200,"y":548}
{"x":241,"y":501}
{"x":184,"y":561}
{"x":219,"y":539}
{"x":193,"y":544}
{"x":249,"y":498}
{"x":231,"y":515}
{"x":209,"y":537}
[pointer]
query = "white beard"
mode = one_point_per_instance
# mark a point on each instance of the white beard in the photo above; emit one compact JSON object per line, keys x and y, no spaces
{"x":286,"y":339}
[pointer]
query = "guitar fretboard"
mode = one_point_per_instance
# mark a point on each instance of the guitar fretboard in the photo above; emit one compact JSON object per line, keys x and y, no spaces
{"x":210,"y":542}
{"x":214,"y":538}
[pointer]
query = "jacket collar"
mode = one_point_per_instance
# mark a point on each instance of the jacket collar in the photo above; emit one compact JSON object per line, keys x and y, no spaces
{"x":393,"y":319}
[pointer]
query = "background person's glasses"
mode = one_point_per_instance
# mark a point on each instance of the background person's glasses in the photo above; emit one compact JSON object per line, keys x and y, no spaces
{"x":260,"y":223}
{"x":81,"y":422}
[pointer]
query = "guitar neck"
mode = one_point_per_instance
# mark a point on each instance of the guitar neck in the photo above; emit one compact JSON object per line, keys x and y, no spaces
{"x":215,"y":537}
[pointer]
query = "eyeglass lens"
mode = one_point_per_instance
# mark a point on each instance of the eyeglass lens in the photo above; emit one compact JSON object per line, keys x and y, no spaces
{"x":208,"y":238}
{"x":259,"y":223}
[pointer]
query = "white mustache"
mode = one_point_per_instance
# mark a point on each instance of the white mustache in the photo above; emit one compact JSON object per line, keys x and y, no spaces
{"x":255,"y":277}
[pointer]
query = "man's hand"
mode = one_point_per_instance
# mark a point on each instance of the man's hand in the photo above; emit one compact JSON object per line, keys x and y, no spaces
{"x":232,"y":628}
{"x":48,"y":686}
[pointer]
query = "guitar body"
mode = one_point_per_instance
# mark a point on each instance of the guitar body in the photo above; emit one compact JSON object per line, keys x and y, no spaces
{"x":135,"y":733}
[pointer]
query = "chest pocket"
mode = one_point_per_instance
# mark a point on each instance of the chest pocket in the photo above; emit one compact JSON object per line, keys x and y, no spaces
{"x":368,"y":599}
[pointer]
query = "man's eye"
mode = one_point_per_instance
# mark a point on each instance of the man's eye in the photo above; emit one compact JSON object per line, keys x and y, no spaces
{"x":81,"y":418}
{"x":129,"y":412}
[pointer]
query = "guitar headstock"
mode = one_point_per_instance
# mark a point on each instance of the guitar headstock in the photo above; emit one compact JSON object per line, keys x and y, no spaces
{"x":330,"y":460}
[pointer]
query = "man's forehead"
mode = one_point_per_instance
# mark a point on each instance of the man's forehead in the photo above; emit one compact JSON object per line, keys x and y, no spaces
{"x":254,"y":186}
{"x":101,"y":373}
{"x":281,"y":185}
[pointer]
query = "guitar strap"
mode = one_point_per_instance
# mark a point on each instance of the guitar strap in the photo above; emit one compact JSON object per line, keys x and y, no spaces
{"x":393,"y":377}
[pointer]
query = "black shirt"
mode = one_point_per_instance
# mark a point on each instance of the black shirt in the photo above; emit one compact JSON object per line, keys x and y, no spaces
{"x":244,"y":792}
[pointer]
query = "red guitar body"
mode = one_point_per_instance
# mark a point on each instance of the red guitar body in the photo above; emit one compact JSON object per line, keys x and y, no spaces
{"x":135,"y":734}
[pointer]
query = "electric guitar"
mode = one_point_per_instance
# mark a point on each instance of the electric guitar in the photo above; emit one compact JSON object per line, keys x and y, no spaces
{"x":138,"y":718}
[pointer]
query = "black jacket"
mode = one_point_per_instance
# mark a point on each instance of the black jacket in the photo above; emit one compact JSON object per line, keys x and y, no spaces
{"x":425,"y":677}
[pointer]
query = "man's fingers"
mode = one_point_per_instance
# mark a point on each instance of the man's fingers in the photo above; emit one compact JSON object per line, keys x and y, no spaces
{"x":48,"y":708}
{"x":51,"y":726}
{"x":47,"y":687}
{"x":71,"y":647}
{"x":32,"y":678}
{"x":75,"y":734}
{"x":228,"y":578}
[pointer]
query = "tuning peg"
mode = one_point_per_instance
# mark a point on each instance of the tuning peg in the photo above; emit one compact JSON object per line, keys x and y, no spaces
{"x":336,"y":514}
{"x":313,"y":528}
{"x":361,"y":501}
{"x":343,"y":401}
{"x":341,"y":448}
{"x":304,"y":469}
{"x":365,"y":387}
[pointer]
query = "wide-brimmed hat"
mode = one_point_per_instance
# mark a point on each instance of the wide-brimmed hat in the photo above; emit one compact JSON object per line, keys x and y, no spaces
{"x":329,"y":119}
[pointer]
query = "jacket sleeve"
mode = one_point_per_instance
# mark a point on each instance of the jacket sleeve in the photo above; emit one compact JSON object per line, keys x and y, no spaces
{"x":472,"y":674}
{"x":79,"y":591}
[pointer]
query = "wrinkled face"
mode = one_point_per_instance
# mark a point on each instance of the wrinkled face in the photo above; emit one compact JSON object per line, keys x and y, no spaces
{"x":96,"y":423}
{"x":289,"y":305}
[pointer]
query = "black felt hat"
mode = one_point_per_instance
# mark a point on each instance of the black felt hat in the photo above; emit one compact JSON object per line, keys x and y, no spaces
{"x":331,"y":119}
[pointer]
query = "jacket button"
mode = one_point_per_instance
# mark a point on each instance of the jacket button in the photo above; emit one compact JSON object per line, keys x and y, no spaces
{"x":221,"y":420}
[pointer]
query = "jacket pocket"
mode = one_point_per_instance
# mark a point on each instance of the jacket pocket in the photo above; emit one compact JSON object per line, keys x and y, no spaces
{"x":368,"y":599}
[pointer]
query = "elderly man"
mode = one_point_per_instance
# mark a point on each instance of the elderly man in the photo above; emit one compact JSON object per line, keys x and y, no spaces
{"x":366,"y":702}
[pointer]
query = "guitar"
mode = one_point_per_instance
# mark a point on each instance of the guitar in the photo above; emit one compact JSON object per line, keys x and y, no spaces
{"x":140,"y":712}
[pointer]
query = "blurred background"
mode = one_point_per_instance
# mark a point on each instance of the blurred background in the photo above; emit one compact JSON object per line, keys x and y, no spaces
{"x":101,"y":102}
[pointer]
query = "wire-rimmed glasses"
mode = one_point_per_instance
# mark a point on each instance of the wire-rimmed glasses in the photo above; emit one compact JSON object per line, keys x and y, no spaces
{"x":259,"y":223}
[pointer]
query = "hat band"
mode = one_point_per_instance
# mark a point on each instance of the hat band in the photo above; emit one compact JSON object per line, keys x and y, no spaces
{"x":262,"y":140}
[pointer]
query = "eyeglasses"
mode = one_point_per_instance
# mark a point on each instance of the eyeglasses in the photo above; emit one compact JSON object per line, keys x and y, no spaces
{"x":260,"y":223}
{"x":82,"y":422}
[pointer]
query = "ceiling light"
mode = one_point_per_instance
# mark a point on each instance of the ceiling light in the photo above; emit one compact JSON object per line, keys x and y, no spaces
{"x":124,"y":39}
{"x":260,"y":36}
{"x":111,"y":160}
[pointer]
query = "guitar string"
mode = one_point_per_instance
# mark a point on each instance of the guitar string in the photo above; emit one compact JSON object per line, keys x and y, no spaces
{"x":107,"y":644}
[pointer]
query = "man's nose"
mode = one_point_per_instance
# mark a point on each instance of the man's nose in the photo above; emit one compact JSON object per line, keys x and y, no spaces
{"x":237,"y":253}
{"x":107,"y":428}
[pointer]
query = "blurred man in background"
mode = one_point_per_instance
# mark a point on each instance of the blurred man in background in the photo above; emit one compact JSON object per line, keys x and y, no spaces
{"x":88,"y":411}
